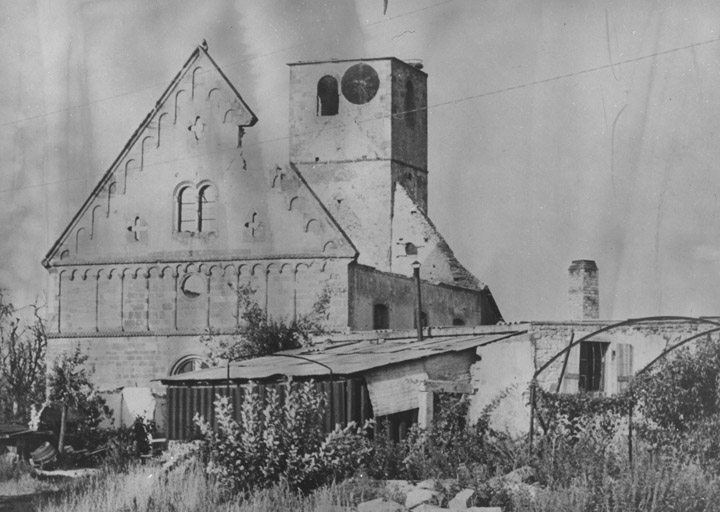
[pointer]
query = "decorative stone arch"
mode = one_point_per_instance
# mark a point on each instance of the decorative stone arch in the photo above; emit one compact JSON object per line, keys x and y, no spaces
{"x":143,"y":147}
{"x":295,"y":202}
{"x":196,"y":79}
{"x":312,"y":224}
{"x":178,"y":94}
{"x":93,"y":219}
{"x":78,"y":235}
{"x":127,"y":170}
{"x":112,"y":187}
{"x":329,"y":246}
{"x":227,"y":117}
{"x":214,"y":92}
{"x":160,"y":121}
{"x":230,"y":269}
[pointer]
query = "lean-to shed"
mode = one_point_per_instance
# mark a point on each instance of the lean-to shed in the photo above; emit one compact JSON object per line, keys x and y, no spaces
{"x":393,"y":378}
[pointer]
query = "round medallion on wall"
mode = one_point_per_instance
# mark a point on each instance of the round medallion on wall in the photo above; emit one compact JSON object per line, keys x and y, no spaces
{"x":360,"y":83}
{"x":193,"y":286}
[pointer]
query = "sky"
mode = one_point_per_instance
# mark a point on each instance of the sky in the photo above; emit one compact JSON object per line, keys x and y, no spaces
{"x":557,"y":130}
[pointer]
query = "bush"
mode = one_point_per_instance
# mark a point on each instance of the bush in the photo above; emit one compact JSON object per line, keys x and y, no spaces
{"x":278,"y":439}
{"x":679,"y":405}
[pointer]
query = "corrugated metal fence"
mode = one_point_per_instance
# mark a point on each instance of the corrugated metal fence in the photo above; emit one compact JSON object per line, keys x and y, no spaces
{"x":350,"y":398}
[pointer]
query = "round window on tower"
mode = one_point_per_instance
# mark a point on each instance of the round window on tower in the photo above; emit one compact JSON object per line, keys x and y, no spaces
{"x":360,"y":83}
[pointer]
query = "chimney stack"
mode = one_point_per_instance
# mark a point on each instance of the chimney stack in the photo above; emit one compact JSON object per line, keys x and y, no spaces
{"x":584,"y":294}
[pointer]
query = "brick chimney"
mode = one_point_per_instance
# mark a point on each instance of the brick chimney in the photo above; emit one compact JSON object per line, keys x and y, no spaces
{"x":583,"y":293}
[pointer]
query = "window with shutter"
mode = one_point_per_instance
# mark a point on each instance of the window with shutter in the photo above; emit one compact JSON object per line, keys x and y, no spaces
{"x":572,"y":371}
{"x":624,"y":365}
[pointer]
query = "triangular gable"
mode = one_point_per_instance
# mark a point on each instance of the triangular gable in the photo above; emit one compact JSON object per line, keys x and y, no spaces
{"x":415,"y":238}
{"x":148,"y":133}
{"x":191,"y":143}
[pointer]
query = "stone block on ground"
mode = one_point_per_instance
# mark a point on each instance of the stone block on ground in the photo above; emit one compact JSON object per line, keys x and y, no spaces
{"x":419,"y":496}
{"x":380,"y":505}
{"x":521,"y":475}
{"x":462,"y":500}
{"x":427,"y":484}
{"x":426,"y":507}
{"x":398,"y":486}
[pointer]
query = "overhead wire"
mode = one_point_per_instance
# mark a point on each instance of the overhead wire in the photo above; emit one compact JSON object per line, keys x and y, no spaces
{"x":428,"y":107}
{"x":225,"y":66}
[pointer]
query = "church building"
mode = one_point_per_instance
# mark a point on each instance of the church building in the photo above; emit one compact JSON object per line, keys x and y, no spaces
{"x":183,"y":218}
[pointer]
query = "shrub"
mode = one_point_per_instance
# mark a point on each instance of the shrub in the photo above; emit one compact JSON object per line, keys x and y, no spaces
{"x":278,"y":439}
{"x":679,"y":405}
{"x":262,"y":334}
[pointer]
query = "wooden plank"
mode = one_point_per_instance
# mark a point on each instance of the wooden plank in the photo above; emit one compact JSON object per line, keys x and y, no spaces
{"x":447,"y":386}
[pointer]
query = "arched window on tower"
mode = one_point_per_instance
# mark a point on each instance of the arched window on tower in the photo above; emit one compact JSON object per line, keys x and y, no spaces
{"x":327,"y":96}
{"x":187,"y":210}
{"x":381,"y":316}
{"x":207,"y":214}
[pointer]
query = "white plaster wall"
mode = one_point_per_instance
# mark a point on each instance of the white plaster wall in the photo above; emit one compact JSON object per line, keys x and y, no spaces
{"x":505,"y":370}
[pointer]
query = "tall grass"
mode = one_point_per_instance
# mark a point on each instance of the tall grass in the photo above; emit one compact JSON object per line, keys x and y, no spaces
{"x":16,"y":479}
{"x":187,"y":488}
{"x":651,"y":484}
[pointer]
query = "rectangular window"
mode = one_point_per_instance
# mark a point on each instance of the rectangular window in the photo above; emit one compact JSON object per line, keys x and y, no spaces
{"x":592,"y":366}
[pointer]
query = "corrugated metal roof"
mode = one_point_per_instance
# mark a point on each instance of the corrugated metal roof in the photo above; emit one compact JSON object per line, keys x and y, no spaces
{"x":347,"y":358}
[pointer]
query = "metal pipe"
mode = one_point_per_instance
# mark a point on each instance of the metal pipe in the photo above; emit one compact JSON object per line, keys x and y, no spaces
{"x":332,"y":379}
{"x":418,"y":300}
{"x":332,"y":375}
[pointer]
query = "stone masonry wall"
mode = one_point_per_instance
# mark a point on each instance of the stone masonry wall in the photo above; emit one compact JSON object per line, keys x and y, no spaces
{"x":441,"y":303}
{"x":187,"y":298}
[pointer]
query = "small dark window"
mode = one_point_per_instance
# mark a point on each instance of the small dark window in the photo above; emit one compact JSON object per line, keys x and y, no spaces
{"x":423,"y":318}
{"x":327,"y":96}
{"x":409,"y":107}
{"x":410,"y":249}
{"x":381,"y":316}
{"x":458,"y":321}
{"x":592,"y":366}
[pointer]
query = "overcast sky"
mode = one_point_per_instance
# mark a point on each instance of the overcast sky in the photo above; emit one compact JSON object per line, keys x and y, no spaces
{"x":558,"y":130}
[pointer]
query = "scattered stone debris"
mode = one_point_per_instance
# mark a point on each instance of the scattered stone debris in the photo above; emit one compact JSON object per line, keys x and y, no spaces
{"x":428,"y":495}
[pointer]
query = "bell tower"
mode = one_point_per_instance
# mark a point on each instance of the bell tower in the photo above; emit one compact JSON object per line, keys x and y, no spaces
{"x":358,"y":128}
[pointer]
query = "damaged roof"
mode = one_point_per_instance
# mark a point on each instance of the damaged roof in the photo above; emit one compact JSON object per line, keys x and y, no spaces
{"x":343,"y":358}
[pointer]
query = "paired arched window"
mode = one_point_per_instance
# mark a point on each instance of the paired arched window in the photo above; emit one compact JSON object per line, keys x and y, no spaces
{"x":328,"y":97}
{"x":197,"y":209}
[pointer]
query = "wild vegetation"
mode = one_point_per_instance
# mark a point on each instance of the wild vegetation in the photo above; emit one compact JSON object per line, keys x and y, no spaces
{"x":22,"y":360}
{"x":653,"y":448}
{"x":261,"y":334}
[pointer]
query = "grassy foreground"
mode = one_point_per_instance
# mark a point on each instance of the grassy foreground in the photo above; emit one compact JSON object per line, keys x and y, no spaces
{"x":652,"y":485}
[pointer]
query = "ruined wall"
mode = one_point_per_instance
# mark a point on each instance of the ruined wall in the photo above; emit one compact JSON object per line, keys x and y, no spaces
{"x":508,"y":366}
{"x":441,"y":303}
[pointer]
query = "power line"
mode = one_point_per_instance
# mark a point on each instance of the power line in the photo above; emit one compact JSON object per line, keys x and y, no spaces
{"x":429,"y":107}
{"x":225,"y":66}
